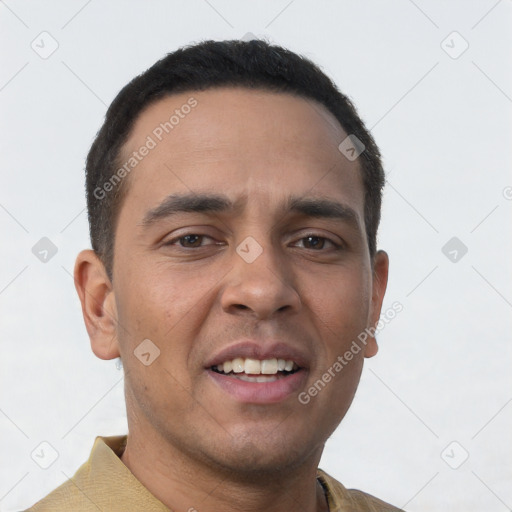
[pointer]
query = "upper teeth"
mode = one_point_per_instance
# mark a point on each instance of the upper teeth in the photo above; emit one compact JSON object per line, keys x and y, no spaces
{"x":255,"y":366}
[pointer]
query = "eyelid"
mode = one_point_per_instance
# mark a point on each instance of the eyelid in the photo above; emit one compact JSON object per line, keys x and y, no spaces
{"x":337,"y":244}
{"x":335,"y":240}
{"x":201,"y":230}
{"x":176,"y":239}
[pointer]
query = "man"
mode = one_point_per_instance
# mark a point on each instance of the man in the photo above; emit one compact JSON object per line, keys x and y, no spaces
{"x":234,"y":198}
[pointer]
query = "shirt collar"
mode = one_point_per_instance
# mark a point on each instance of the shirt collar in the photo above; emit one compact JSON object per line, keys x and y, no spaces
{"x":105,"y":460}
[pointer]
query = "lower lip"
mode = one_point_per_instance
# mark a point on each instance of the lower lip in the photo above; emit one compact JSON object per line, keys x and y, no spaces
{"x":260,"y":392}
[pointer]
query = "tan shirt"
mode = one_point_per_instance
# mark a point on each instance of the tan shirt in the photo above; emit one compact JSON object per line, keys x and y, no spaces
{"x":104,"y":483}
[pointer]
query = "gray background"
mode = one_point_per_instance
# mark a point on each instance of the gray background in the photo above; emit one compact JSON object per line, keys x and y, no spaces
{"x":440,"y":388}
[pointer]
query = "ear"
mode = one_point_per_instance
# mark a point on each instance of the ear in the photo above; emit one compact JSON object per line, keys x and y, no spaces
{"x":380,"y":281}
{"x":98,"y":304}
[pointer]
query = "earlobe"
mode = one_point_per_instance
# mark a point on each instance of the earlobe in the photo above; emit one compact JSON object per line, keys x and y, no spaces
{"x":371,"y":347}
{"x":98,"y":304}
{"x":380,"y":281}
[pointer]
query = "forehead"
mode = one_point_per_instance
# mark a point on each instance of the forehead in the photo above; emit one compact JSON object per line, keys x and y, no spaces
{"x":240,"y":139}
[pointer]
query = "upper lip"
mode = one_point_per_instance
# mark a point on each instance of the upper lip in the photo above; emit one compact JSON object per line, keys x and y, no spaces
{"x":259,"y":350}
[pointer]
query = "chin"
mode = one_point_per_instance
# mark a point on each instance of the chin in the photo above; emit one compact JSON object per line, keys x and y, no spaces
{"x":263,"y":455}
{"x":257,"y":466}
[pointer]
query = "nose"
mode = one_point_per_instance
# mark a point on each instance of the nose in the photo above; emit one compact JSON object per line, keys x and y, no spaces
{"x":261,"y":288}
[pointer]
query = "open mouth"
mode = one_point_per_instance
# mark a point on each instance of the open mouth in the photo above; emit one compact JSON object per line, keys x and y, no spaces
{"x":255,"y":370}
{"x":251,"y":374}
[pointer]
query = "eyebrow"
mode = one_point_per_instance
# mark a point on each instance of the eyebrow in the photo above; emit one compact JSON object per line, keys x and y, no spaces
{"x":323,"y":208}
{"x":187,"y":203}
{"x":215,"y":203}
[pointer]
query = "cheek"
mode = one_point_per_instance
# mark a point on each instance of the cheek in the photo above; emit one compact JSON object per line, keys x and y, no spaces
{"x":158,"y":299}
{"x":157,"y":319}
{"x":167,"y":309}
{"x":342,"y":303}
{"x":342,"y":310}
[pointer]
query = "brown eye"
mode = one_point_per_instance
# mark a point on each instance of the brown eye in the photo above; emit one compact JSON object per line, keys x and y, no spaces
{"x":191,"y":240}
{"x":316,"y":242}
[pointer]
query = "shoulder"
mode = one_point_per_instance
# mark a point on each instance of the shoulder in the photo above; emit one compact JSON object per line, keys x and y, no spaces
{"x":103,"y":482}
{"x":342,"y":499}
{"x":64,"y":498}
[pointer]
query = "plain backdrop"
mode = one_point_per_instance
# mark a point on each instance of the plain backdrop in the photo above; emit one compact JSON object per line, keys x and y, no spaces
{"x":430,"y":425}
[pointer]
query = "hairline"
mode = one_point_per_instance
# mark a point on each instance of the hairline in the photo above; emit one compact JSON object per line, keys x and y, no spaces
{"x":124,"y":186}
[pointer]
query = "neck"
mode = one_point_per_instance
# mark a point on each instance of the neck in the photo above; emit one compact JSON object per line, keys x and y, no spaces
{"x":183,"y":484}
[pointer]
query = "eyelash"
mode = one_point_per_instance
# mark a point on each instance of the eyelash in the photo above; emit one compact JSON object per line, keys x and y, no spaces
{"x":308,"y":235}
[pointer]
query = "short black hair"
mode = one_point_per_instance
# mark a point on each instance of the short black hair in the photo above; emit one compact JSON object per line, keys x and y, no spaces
{"x":254,"y":64}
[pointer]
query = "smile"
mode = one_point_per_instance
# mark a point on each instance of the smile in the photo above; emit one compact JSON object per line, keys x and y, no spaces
{"x":258,"y":381}
{"x":249,"y":366}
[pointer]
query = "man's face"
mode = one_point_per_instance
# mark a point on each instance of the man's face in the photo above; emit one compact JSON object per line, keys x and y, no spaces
{"x":265,"y":278}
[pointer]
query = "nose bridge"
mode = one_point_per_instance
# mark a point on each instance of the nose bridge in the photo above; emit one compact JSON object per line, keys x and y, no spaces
{"x":260,"y":280}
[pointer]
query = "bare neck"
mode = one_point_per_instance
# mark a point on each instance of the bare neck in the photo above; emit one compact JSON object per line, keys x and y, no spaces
{"x":184,"y":484}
